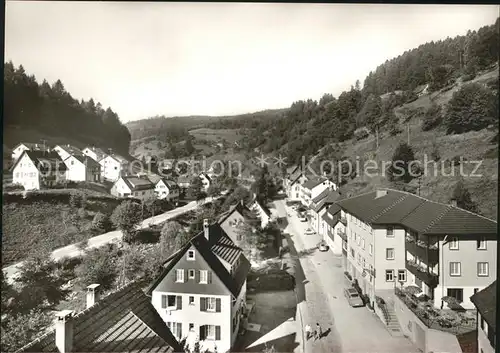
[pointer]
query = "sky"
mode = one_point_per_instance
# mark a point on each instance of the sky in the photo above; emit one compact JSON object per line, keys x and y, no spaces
{"x":178,"y":59}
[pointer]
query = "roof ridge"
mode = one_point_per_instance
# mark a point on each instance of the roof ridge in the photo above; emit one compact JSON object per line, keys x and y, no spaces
{"x":388,"y":208}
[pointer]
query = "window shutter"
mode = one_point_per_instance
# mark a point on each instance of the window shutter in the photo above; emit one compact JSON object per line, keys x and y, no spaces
{"x":197,"y":276}
{"x":179,"y":330}
{"x":179,"y":302}
{"x":203,"y":332}
{"x":217,"y":333}
{"x":163,"y":301}
{"x":217,"y":305}
{"x":202,"y":304}
{"x":175,"y":275}
{"x":209,"y":277}
{"x":185,"y":275}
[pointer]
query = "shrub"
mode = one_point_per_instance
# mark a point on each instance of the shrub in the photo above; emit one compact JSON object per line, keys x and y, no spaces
{"x":82,"y":214}
{"x":432,"y":117}
{"x":21,"y":329}
{"x":468,"y":77}
{"x":126,"y":217}
{"x":77,"y":199}
{"x":361,"y":133}
{"x":435,"y":153}
{"x":13,"y":187}
{"x":97,"y":267}
{"x":101,"y":223}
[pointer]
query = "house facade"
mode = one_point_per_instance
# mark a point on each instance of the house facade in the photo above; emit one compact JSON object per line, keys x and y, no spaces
{"x":26,"y":146}
{"x":38,"y":169}
{"x":134,"y":187}
{"x":485,"y":303}
{"x":82,"y":168}
{"x":231,"y":221}
{"x":313,"y":187}
{"x":95,"y":153}
{"x":293,"y":185}
{"x":167,"y":189}
{"x":396,"y":238}
{"x":113,"y":166}
{"x":319,"y":206}
{"x":64,"y":151}
{"x":262,"y":211}
{"x":201,"y":294}
{"x":333,"y":231}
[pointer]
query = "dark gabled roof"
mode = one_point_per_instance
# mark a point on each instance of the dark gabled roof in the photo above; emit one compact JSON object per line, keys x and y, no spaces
{"x":135,"y":183}
{"x":172,"y":185}
{"x":86,"y":160}
{"x":44,"y":160}
{"x":98,"y":151}
{"x":321,"y":196}
{"x":219,"y":244}
{"x":242,"y":210}
{"x":71,"y":149}
{"x":332,"y":196}
{"x":332,"y":220}
{"x":417,"y":213}
{"x":486,"y":303}
{"x":32,"y":146}
{"x":183,"y":179}
{"x":312,"y":183}
{"x":123,"y":321}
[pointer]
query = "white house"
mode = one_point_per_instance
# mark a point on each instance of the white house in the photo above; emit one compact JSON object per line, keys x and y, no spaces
{"x":314,"y":187}
{"x":201,"y":294}
{"x":94,"y":152}
{"x":293,"y":184}
{"x":319,"y":206}
{"x":486,"y":305}
{"x":113,"y":166}
{"x":82,"y":168}
{"x":262,"y":210}
{"x":26,"y":146}
{"x":205,"y":180}
{"x":37,"y":169}
{"x":166,"y":188}
{"x":64,"y":151}
{"x":132,"y":186}
{"x":332,"y":229}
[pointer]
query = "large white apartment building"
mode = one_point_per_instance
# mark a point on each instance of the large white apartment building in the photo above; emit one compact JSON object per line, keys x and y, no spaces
{"x":485,"y":301}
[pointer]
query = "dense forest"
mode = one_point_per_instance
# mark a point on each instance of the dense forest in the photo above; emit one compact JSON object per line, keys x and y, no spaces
{"x":52,"y":110}
{"x":309,"y":124}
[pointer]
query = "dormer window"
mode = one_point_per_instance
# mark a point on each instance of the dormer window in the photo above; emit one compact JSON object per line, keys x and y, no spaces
{"x":190,"y":255}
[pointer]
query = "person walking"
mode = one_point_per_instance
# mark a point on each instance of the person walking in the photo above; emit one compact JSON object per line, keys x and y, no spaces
{"x":318,"y":331}
{"x":308,"y":332}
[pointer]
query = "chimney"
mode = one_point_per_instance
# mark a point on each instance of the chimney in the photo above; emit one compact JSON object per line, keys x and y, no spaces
{"x":64,"y":331}
{"x":381,"y":193}
{"x":205,"y":228}
{"x":242,"y":203}
{"x":92,"y":295}
{"x":453,"y":202}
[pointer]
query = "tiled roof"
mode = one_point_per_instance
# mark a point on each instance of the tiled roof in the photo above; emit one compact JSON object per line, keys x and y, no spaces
{"x":98,"y":151}
{"x":172,"y":185}
{"x":219,"y":244}
{"x":332,"y":196}
{"x":321,"y":196}
{"x":119,"y":159}
{"x":33,"y":146}
{"x":87,"y":161}
{"x":486,"y":303}
{"x":123,"y":321}
{"x":312,"y":183}
{"x":44,"y":160}
{"x":332,"y":220}
{"x":71,"y":149}
{"x":183,"y":179}
{"x":417,"y":213}
{"x":136,"y":183}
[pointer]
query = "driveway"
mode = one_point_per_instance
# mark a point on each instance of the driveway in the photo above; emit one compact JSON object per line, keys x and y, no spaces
{"x":72,"y":250}
{"x":351,"y":329}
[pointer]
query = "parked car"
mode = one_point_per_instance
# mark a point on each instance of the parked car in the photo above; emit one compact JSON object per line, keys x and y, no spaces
{"x":309,"y":231}
{"x":353,"y":297}
{"x":322,"y":246}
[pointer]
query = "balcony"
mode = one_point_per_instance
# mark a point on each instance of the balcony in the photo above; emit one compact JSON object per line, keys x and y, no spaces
{"x":422,"y":273}
{"x":341,"y":233}
{"x":343,"y":220}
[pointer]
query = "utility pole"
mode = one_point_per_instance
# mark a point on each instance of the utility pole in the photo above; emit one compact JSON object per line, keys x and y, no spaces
{"x":408,"y":127}
{"x":376,"y":134}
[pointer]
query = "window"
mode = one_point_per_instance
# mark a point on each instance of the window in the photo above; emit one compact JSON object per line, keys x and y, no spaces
{"x":390,"y":232}
{"x":389,"y":275}
{"x":457,"y":293}
{"x":481,"y":244}
{"x":453,"y":245}
{"x":191,"y":300}
{"x":210,"y":304}
{"x":455,"y":269}
{"x":476,"y":290}
{"x":191,"y":274}
{"x":179,"y":275}
{"x":389,"y":254}
{"x":402,"y":275}
{"x":210,"y":331}
{"x":170,"y":301}
{"x":352,"y":253}
{"x":191,"y":255}
{"x":175,"y":328}
{"x":371,"y":249}
{"x":191,"y":327}
{"x":482,"y":269}
{"x":364,"y":262}
{"x":363,"y":244}
{"x":204,"y":276}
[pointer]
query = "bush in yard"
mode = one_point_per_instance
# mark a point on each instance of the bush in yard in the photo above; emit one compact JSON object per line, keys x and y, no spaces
{"x":172,"y":238}
{"x":133,"y":263}
{"x":463,"y":198}
{"x":126,"y":217}
{"x":21,"y":329}
{"x":77,"y":199}
{"x":97,"y":267}
{"x":101,"y":223}
{"x":13,"y":187}
{"x":82,"y":214}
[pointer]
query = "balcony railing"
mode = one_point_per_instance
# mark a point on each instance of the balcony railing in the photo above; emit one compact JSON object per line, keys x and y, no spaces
{"x":421,"y":242}
{"x":343,"y":220}
{"x":422,"y":273}
{"x":341,"y":233}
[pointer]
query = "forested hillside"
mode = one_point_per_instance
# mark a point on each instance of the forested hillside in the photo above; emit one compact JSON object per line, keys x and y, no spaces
{"x":37,"y":109}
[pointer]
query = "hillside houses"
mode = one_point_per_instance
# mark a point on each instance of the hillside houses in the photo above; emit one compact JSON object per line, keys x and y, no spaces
{"x":167,"y":189}
{"x":232,"y":220}
{"x":113,"y":166}
{"x":94,"y":152}
{"x":65,"y":151}
{"x":26,"y":146}
{"x":82,"y":168}
{"x":262,"y":211}
{"x":485,"y":301}
{"x":201,"y":294}
{"x":205,"y":180}
{"x":38,"y":169}
{"x":132,"y":186}
{"x":123,"y":321}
